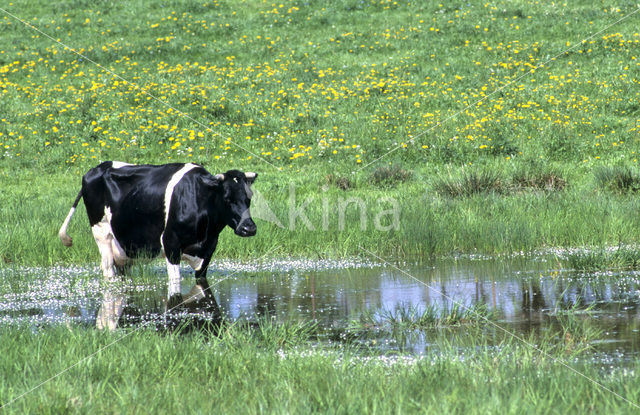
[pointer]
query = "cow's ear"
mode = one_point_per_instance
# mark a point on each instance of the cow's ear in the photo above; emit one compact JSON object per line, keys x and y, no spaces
{"x":250,"y":176}
{"x":213,"y":181}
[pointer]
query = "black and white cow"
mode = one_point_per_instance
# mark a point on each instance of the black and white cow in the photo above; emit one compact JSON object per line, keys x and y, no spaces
{"x":177,"y":210}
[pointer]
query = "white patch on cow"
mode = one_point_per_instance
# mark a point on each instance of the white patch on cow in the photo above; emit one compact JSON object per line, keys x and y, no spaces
{"x":119,"y":256}
{"x":110,"y":249}
{"x":219,"y":177}
{"x":62,"y":233}
{"x":119,"y":164}
{"x":168,"y":193}
{"x":250,"y":175}
{"x":174,"y":279}
{"x":235,"y":179}
{"x":103,"y":234}
{"x":194,"y":261}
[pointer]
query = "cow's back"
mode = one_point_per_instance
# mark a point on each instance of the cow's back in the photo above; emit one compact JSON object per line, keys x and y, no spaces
{"x":134,"y":197}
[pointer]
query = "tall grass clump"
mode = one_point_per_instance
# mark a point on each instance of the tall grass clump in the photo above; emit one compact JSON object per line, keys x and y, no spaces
{"x":272,"y":334}
{"x":621,"y":257}
{"x":534,"y":177}
{"x":390,"y":175}
{"x":576,"y":333}
{"x":618,"y":179}
{"x":417,"y":318}
{"x":469,"y":183}
{"x":341,"y":182}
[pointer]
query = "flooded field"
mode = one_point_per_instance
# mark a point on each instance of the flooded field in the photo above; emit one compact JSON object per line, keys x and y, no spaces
{"x":348,"y":300}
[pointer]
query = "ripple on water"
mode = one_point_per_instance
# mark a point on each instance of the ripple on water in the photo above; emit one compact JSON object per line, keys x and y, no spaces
{"x":63,"y":294}
{"x":528,"y":296}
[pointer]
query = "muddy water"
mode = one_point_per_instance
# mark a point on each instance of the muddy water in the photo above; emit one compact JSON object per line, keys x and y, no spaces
{"x":525,"y":295}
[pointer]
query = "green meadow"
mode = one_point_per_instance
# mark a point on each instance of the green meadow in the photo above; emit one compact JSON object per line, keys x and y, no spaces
{"x":410,"y":130}
{"x":494,"y":127}
{"x":429,"y":215}
{"x":277,"y":369}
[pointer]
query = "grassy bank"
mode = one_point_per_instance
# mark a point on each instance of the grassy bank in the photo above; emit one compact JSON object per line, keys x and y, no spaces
{"x":272,"y":370}
{"x":308,"y":218}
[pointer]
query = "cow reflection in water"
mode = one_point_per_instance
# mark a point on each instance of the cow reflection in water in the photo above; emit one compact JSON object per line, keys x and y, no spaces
{"x":110,"y":310}
{"x":122,"y":309}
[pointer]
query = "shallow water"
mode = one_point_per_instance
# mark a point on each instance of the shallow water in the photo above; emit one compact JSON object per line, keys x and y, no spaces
{"x":526,"y":295}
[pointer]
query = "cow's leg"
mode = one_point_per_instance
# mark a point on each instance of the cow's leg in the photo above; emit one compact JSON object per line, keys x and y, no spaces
{"x":122,"y":263}
{"x":201,"y":280}
{"x":174,"y":292}
{"x":122,"y":270}
{"x":106,"y":263}
{"x":209,"y":301}
{"x":102,"y":235}
{"x":112,"y":305}
{"x":172,"y":255}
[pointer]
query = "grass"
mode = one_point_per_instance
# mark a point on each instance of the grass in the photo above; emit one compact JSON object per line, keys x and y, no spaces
{"x":413,"y":318}
{"x":619,"y":179}
{"x":238,"y":372}
{"x":601,"y":259}
{"x":275,"y":335}
{"x":390,"y":175}
{"x":341,"y":182}
{"x":525,"y":176}
{"x":576,"y":333}
{"x":337,"y":222}
{"x":533,"y":176}
{"x":470,"y":182}
{"x":414,"y":129}
{"x":352,"y":115}
{"x":303,"y":85}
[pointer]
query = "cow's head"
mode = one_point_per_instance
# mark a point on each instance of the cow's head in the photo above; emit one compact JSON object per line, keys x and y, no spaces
{"x":235,"y":188}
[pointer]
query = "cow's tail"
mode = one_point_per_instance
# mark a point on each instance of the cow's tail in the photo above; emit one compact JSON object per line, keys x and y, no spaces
{"x":62,"y":233}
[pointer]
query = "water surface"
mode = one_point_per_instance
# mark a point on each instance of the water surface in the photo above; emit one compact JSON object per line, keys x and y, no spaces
{"x":525,"y":294}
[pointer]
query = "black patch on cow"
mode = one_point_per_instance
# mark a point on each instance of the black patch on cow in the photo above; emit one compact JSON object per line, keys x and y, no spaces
{"x":201,"y":206}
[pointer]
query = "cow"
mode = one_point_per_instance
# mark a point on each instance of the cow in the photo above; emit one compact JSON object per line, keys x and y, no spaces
{"x":177,"y":210}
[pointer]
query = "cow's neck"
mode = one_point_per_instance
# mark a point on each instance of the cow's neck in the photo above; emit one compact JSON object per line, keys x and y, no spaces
{"x":217,"y":219}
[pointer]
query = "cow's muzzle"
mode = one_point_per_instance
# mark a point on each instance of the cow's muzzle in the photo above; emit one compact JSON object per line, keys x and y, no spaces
{"x":246,"y":228}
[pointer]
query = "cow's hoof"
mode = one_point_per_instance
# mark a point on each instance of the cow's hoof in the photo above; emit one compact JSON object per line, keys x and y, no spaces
{"x":174,"y":302}
{"x":209,"y":305}
{"x":196,"y":294}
